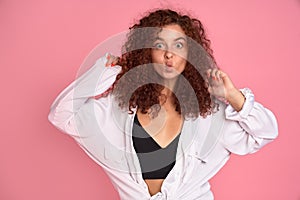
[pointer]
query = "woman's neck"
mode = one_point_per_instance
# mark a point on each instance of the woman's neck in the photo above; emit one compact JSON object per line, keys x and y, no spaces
{"x":168,"y":102}
{"x":169,"y":87}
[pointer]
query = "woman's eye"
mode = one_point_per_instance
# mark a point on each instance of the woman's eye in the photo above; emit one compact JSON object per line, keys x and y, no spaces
{"x":159,"y":45}
{"x":179,"y":45}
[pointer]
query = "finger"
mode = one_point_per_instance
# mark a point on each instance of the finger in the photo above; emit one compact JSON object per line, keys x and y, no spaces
{"x":211,"y":76}
{"x":207,"y":77}
{"x":112,"y":60}
{"x":108,"y":62}
{"x":218,"y":75}
{"x":213,"y":73}
{"x":226,"y":79}
{"x":221,"y":75}
{"x":208,"y":72}
{"x":115,"y":61}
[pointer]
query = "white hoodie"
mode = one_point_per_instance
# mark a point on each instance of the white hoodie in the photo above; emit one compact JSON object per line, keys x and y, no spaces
{"x":103,"y":131}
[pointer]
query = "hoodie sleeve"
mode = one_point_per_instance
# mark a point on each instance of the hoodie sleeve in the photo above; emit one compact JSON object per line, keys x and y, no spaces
{"x":77,"y":112}
{"x":249,"y":129}
{"x":77,"y":95}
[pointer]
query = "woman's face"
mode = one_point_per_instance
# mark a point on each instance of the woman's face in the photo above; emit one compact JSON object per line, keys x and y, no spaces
{"x":170,"y":51}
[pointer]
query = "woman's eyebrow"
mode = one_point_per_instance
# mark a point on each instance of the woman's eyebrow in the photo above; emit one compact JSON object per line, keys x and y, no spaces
{"x":158,"y":38}
{"x":176,"y":39}
{"x":180,"y":38}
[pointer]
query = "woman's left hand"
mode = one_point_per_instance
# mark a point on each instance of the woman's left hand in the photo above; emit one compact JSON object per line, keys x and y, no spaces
{"x":111,"y":60}
{"x":221,"y":86}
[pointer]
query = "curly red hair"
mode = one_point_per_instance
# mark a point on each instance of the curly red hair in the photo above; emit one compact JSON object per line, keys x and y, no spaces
{"x":142,"y":88}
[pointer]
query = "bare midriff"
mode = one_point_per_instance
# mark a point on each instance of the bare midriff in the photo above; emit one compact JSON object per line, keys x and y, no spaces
{"x":154,"y":185}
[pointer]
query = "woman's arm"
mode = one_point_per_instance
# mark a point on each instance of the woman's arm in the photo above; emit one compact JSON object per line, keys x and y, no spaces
{"x":78,"y":113}
{"x":251,"y":128}
{"x":248,"y":125}
{"x":92,"y":83}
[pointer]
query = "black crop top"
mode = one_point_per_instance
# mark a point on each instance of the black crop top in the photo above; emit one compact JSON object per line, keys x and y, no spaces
{"x":155,"y":162}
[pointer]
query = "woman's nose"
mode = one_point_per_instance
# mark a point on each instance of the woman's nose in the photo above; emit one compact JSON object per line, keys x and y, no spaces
{"x":168,"y":54}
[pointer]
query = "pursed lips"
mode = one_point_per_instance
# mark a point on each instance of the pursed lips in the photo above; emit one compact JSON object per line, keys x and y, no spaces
{"x":169,"y":64}
{"x":168,"y":67}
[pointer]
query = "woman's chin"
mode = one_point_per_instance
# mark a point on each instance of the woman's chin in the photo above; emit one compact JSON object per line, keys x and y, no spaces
{"x":168,"y":74}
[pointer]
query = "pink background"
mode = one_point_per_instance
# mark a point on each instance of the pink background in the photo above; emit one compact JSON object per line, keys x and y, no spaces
{"x":43,"y":43}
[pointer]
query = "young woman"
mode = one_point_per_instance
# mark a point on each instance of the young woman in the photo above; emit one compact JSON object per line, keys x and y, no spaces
{"x":162,"y":119}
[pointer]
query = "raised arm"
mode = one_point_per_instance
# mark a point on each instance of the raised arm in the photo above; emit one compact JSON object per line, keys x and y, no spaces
{"x":248,"y":125}
{"x":92,"y":83}
{"x":251,"y":128}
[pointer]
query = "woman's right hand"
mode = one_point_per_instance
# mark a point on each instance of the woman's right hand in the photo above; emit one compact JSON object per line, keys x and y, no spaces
{"x":111,"y":60}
